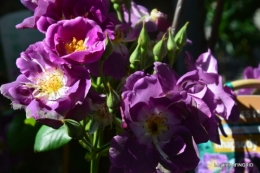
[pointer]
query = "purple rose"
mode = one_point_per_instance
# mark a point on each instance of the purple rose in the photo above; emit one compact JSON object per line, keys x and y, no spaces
{"x":30,"y":4}
{"x":205,"y":88}
{"x":78,"y":40}
{"x":249,"y":73}
{"x":127,"y":154}
{"x":116,"y":65}
{"x":159,"y":122}
{"x":47,"y":91}
{"x":47,"y":12}
{"x":156,"y":20}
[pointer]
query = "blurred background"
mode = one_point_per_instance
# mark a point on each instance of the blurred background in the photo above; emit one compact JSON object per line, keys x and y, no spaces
{"x":234,"y":40}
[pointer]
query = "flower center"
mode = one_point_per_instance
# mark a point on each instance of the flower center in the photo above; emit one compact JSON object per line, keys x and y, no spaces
{"x":75,"y":45}
{"x":155,"y":125}
{"x":103,"y":111}
{"x":119,"y":35}
{"x":50,"y":83}
{"x":102,"y":114}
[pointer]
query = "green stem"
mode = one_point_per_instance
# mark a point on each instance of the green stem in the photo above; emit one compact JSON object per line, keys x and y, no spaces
{"x":94,"y":165}
{"x":117,"y":124}
{"x":119,"y":15}
{"x":98,"y":136}
{"x":103,"y":148}
{"x":101,"y":63}
{"x":88,"y":144}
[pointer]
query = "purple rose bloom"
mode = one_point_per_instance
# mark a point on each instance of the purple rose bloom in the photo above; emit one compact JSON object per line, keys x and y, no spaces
{"x":206,"y":62}
{"x":156,"y":20}
{"x":205,"y":87}
{"x":30,"y":4}
{"x":77,"y":41}
{"x":127,"y":154}
{"x":47,"y":91}
{"x":224,"y":104}
{"x":116,"y":65}
{"x":250,"y":73}
{"x":47,"y":12}
{"x":205,"y":95}
{"x":159,"y":122}
{"x":211,"y":163}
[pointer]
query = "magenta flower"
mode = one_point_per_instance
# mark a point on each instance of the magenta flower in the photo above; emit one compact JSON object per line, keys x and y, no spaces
{"x":250,"y":73}
{"x":78,"y":40}
{"x":223,"y":104}
{"x":116,"y":65}
{"x":158,"y":122}
{"x":47,"y":12}
{"x":30,"y":4}
{"x":127,"y":154}
{"x":48,"y":92}
{"x":205,"y":62}
{"x":156,"y":20}
{"x":203,"y":93}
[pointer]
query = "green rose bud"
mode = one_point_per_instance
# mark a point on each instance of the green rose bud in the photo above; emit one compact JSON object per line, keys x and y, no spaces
{"x":135,"y":57}
{"x":160,"y":49}
{"x":73,"y":128}
{"x":143,"y":39}
{"x":113,"y":99}
{"x":109,"y":48}
{"x":181,"y":37}
{"x":172,"y":48}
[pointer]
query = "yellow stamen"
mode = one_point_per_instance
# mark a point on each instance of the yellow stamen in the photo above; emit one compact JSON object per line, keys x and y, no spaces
{"x":49,"y":84}
{"x":119,"y":35}
{"x":156,"y":124}
{"x":75,"y":45}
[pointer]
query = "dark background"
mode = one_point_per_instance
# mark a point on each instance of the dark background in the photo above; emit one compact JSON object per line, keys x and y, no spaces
{"x":237,"y":46}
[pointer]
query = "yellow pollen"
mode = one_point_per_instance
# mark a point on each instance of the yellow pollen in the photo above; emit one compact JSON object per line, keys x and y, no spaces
{"x":119,"y":35}
{"x":49,"y":84}
{"x":52,"y":83}
{"x":75,"y":45}
{"x":156,"y":124}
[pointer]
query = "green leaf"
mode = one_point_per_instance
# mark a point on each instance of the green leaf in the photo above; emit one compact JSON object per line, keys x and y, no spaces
{"x":48,"y":138}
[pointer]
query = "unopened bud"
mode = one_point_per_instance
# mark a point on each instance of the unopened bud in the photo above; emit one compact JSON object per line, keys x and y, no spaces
{"x":135,"y":57}
{"x":143,"y":39}
{"x":109,"y":48}
{"x":160,"y":49}
{"x":171,"y":47}
{"x":181,"y":37}
{"x":113,"y":99}
{"x":73,"y":128}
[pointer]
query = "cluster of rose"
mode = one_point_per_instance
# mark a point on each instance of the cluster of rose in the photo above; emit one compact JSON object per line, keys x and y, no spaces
{"x":93,"y":65}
